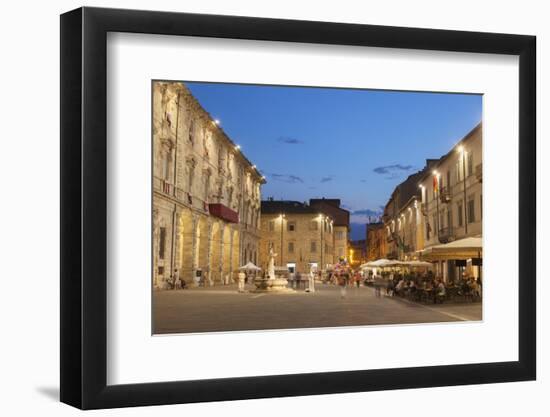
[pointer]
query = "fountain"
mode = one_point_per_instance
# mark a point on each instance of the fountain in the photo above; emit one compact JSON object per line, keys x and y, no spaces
{"x":273,"y":282}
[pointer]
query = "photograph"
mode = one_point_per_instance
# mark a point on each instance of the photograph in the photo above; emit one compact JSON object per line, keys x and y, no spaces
{"x":293,"y":207}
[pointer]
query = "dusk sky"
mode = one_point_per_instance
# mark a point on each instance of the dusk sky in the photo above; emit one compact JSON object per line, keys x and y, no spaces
{"x":356,"y":145}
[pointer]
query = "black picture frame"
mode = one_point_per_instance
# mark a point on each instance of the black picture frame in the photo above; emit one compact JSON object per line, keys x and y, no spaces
{"x":84,"y":207}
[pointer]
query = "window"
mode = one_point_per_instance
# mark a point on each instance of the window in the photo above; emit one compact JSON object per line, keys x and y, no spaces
{"x":460,"y":212}
{"x":313,"y":225}
{"x":272,"y":225}
{"x":471,"y":210}
{"x":448,"y":180}
{"x":291,"y":226}
{"x":459,"y":169}
{"x":290,"y":247}
{"x":206,"y":187}
{"x":313,"y":246}
{"x":428,"y":229}
{"x":162,"y":242}
{"x":470,"y":163}
{"x":339,"y":235}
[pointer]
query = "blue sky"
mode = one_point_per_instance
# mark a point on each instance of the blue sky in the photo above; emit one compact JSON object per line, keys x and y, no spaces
{"x":356,"y":145}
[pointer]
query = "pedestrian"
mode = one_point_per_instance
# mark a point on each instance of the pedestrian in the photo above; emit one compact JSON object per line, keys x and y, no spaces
{"x":440,"y":292}
{"x":176,"y":278}
{"x":242,"y":277}
{"x":342,"y":282}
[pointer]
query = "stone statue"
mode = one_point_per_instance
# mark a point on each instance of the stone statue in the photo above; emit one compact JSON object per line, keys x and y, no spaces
{"x":311,"y":283}
{"x":271,"y":264}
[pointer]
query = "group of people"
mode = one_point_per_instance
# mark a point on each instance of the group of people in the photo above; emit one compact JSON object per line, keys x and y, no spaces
{"x":408,"y":286}
{"x":175,"y":282}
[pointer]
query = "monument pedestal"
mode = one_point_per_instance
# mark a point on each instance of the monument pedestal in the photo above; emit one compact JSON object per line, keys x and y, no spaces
{"x":272,"y":285}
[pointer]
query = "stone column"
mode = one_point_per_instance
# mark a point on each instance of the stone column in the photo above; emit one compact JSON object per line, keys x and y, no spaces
{"x":222,"y":230}
{"x":194,"y":248}
{"x":231,"y":231}
{"x":179,"y":241}
{"x":156,"y":232}
{"x":208,"y":261}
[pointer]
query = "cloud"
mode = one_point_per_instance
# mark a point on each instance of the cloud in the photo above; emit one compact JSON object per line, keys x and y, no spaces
{"x":326,"y":179}
{"x":392,"y":169}
{"x":363,"y":180}
{"x":367,"y":212}
{"x":289,"y":141}
{"x":290,"y":179}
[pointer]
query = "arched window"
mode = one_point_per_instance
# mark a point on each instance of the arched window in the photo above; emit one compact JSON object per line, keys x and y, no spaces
{"x":165,"y":164}
{"x":206,"y":185}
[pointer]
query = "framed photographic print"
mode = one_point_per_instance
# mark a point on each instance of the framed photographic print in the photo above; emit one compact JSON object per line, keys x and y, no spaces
{"x":256,"y":208}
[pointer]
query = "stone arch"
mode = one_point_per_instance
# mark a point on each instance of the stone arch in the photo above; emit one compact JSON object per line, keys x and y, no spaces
{"x":235,"y":258}
{"x":215,"y":251}
{"x":204,"y":245}
{"x":227,"y":249}
{"x":186,"y":251}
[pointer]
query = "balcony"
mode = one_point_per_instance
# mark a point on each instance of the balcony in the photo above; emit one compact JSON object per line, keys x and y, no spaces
{"x":223,"y":212}
{"x":446,"y":235}
{"x":163,"y":186}
{"x":445,"y":195}
{"x":479,"y":172}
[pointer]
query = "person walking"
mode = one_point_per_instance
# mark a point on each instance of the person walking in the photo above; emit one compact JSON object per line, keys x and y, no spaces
{"x":343,"y":284}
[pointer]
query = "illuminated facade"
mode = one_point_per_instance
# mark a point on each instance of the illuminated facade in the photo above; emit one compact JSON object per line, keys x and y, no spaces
{"x":452,"y":199}
{"x":300,"y":234}
{"x":206,"y":193}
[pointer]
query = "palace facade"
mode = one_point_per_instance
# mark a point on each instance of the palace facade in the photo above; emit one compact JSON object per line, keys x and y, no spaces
{"x":206,"y":193}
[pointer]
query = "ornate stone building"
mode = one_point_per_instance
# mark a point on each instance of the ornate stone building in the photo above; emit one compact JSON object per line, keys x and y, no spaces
{"x":331,"y":207}
{"x":304,"y":235}
{"x":206,"y":193}
{"x":403,"y":219}
{"x":452,"y":203}
{"x":376,"y":241}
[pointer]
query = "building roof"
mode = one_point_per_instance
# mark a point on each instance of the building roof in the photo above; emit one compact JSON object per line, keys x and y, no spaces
{"x":331,"y":207}
{"x":438,"y":162}
{"x":286,"y":206}
{"x":239,"y":152}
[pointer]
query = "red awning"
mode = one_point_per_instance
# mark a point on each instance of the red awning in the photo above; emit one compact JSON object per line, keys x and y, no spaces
{"x":223,"y":212}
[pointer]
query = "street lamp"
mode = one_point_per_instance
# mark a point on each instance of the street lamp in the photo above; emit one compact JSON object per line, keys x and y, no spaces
{"x":322,"y":218}
{"x":282,"y":217}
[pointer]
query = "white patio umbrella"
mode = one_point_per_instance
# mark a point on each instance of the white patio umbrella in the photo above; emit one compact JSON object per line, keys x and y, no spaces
{"x":420,"y":264}
{"x":250,"y":267}
{"x":379,"y":263}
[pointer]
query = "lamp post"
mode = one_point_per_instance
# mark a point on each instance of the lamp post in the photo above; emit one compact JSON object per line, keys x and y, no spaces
{"x":463,"y":156}
{"x":322,"y":227}
{"x":282,"y":216}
